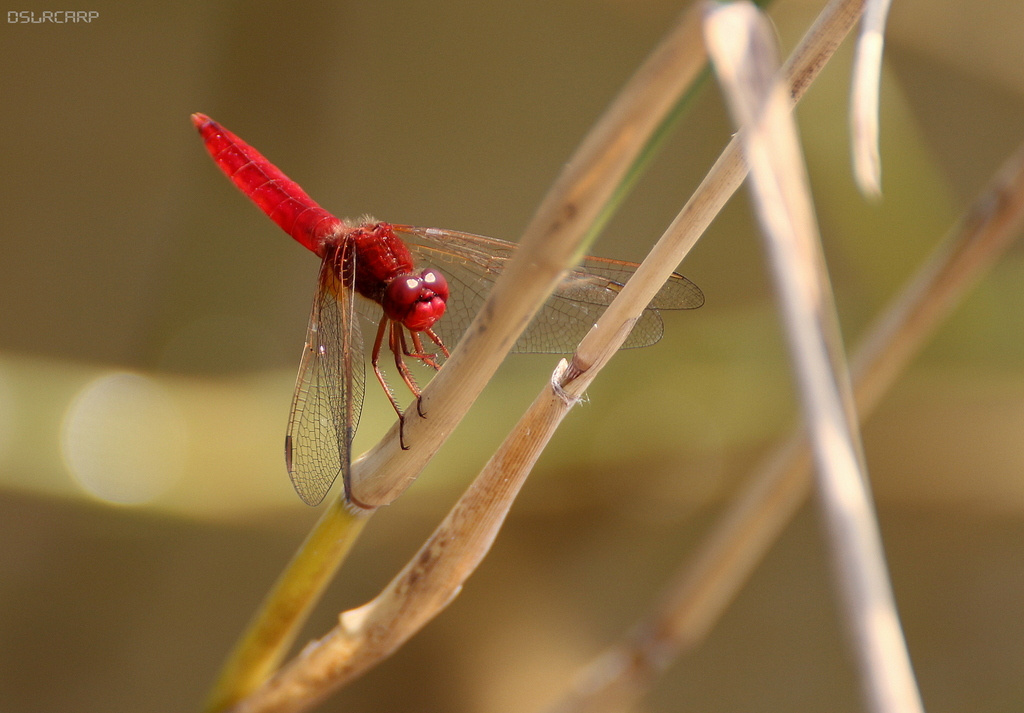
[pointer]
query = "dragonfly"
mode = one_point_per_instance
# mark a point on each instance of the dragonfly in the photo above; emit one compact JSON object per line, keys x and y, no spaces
{"x":421,"y":287}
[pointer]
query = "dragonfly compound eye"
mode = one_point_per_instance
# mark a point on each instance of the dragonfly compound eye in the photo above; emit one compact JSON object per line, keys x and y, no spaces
{"x":436,"y":282}
{"x":416,"y":302}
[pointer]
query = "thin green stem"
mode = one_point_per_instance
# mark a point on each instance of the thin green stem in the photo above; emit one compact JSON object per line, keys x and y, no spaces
{"x":277,"y":622}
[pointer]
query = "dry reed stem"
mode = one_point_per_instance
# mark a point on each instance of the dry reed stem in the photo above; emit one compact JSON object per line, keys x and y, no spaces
{"x":551,"y":245}
{"x":744,"y":52}
{"x":702,"y":589}
{"x":807,"y":60}
{"x":864,"y":98}
{"x":803,"y":66}
{"x":819,"y":44}
{"x":429,"y":581}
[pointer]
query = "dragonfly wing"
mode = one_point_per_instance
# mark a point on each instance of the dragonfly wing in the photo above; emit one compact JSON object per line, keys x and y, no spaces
{"x":473,"y":263}
{"x":677,"y":292}
{"x":599,"y":280}
{"x":328,"y":392}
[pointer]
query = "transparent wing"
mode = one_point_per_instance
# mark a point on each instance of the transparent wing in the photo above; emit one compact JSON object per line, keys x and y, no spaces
{"x":472,"y":263}
{"x":328,"y":391}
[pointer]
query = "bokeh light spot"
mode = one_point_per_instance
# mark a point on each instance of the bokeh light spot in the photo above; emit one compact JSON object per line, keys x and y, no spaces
{"x":123,"y":439}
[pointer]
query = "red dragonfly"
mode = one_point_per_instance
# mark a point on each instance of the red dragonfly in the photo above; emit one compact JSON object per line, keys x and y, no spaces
{"x":410,"y":305}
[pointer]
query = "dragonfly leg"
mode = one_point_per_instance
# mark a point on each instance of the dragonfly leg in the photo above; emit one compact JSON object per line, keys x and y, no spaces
{"x":437,"y":340}
{"x":403,"y":368}
{"x":398,"y":346}
{"x":400,"y":349}
{"x":432,"y":361}
{"x":374,"y":362}
{"x":428,"y":359}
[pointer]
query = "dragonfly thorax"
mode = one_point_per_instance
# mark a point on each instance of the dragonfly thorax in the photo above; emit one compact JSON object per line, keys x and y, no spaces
{"x":375,"y":263}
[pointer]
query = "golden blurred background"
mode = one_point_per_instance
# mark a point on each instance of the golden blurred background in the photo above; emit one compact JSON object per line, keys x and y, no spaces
{"x":152,"y":322}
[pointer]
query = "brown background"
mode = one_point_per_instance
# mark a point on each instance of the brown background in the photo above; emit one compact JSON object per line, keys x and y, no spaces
{"x":124,"y":250}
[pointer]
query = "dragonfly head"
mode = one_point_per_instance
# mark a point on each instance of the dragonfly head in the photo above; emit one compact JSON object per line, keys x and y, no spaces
{"x":417,"y":301}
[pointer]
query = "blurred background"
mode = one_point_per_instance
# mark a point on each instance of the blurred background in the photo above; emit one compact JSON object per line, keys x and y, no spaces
{"x":151,"y":321}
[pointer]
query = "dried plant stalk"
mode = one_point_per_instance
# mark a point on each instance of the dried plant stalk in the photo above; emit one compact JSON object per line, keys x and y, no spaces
{"x":552,"y":243}
{"x":864,"y":96}
{"x":820,"y":43}
{"x":702,"y":589}
{"x":672,"y":65}
{"x":809,"y":57}
{"x":743,"y":50}
{"x":429,"y":582}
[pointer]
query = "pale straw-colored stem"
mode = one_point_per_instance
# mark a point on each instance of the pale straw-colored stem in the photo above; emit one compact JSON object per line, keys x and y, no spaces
{"x":812,"y":53}
{"x":864,"y":98}
{"x":810,"y":56}
{"x":704,"y":586}
{"x":552,"y":243}
{"x":671,"y":65}
{"x":744,"y":52}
